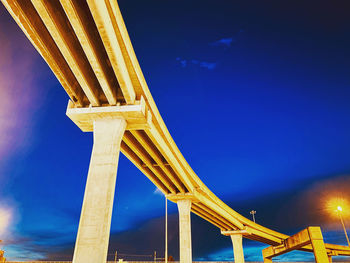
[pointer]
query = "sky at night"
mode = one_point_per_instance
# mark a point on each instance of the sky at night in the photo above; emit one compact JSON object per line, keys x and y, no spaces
{"x":256,"y":94}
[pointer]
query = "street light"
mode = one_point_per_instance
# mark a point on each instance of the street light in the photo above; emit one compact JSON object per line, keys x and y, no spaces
{"x":253,"y":212}
{"x":340,"y":210}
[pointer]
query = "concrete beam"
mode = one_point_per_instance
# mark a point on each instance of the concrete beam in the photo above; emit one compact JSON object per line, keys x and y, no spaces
{"x":310,"y":235}
{"x":114,"y":45}
{"x":292,"y":243}
{"x":235,"y":232}
{"x":52,"y":14}
{"x":181,"y":196}
{"x":95,"y":220}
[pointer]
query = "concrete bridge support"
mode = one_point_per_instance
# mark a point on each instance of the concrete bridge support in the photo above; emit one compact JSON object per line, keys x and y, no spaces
{"x":95,"y":220}
{"x":309,"y":239}
{"x":237,"y":248}
{"x":267,"y":260}
{"x":318,"y":245}
{"x":184,"y":207}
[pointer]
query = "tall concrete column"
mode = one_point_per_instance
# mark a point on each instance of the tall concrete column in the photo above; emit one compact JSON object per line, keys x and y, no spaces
{"x":95,"y":220}
{"x":184,"y":207}
{"x":318,"y":246}
{"x":237,"y":248}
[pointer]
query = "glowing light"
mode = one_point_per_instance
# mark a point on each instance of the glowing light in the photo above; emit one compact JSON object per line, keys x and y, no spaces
{"x":5,"y":220}
{"x":336,"y":205}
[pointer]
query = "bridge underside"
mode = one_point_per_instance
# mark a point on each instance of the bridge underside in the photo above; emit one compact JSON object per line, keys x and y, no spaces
{"x":86,"y":44}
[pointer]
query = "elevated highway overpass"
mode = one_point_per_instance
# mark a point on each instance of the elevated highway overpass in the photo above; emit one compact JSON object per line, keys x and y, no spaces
{"x":87,"y":46}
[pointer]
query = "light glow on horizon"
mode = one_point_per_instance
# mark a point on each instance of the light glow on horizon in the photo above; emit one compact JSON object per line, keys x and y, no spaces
{"x":5,"y":220}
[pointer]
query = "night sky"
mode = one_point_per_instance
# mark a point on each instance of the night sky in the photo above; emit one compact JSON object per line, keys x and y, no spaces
{"x":256,"y":94}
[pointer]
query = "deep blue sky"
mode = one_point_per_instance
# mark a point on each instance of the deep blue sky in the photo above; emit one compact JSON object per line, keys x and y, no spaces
{"x":255,"y":93}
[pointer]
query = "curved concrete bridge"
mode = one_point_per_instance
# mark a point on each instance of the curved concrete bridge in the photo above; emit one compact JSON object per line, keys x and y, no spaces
{"x":87,"y":46}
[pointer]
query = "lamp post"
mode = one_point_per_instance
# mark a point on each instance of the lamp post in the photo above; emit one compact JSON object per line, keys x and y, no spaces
{"x":340,"y":210}
{"x":253,"y":212}
{"x":166,"y":230}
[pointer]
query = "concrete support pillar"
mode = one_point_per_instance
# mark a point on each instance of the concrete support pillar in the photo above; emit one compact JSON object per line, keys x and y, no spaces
{"x":95,"y":220}
{"x":184,"y":207}
{"x":318,"y":246}
{"x":237,"y":248}
{"x":320,"y":251}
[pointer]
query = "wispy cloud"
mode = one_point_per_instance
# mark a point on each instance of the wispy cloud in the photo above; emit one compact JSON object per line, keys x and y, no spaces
{"x":203,"y":64}
{"x":157,"y":192}
{"x":183,"y":62}
{"x":226,"y":42}
{"x":23,"y":248}
{"x":208,"y":65}
{"x":16,"y":94}
{"x":18,"y":105}
{"x":36,"y":242}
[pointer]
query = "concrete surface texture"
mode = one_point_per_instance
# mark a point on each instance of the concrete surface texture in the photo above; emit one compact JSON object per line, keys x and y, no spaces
{"x":95,"y":220}
{"x":88,"y":48}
